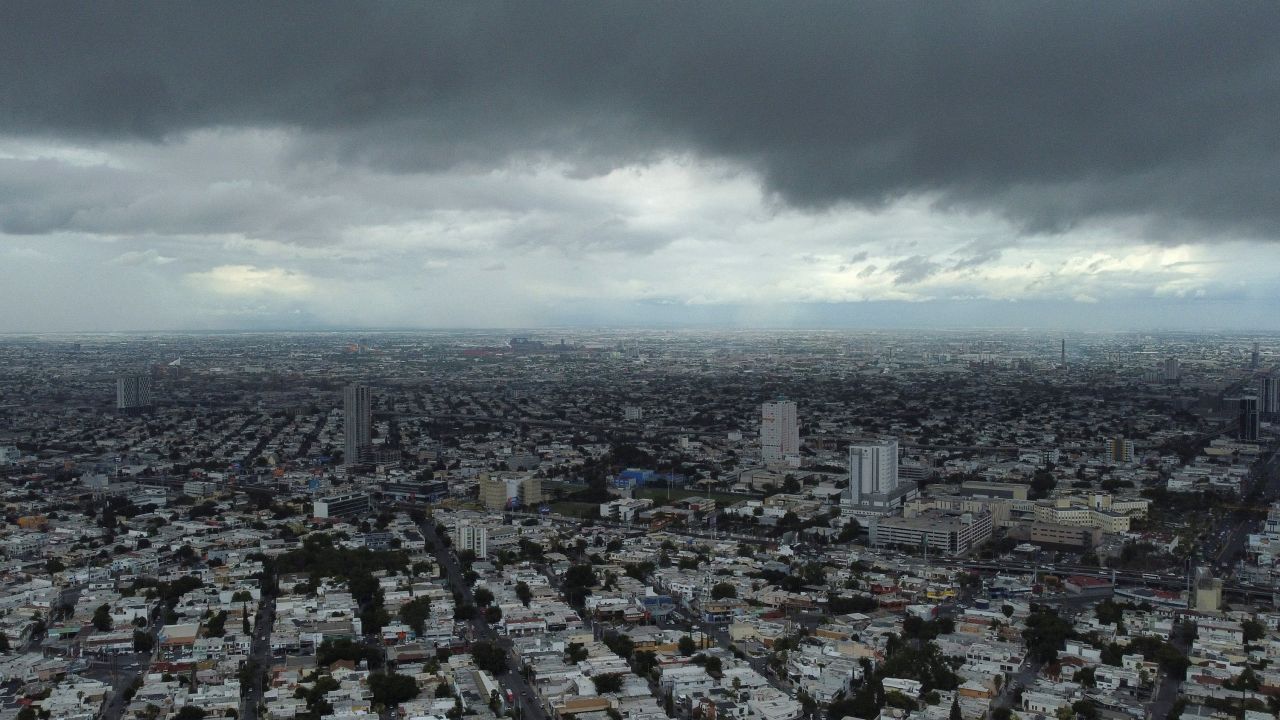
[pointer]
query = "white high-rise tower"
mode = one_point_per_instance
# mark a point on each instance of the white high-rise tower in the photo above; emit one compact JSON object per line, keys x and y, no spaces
{"x":779,"y":432}
{"x":873,"y":469}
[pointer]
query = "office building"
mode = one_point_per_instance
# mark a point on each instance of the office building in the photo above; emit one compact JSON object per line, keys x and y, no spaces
{"x":1063,"y":536}
{"x":779,"y":433}
{"x":1121,"y":450}
{"x":415,"y":491}
{"x":1268,"y":395}
{"x":1248,"y":420}
{"x":1254,"y":357}
{"x":510,"y":493}
{"x":475,"y":538}
{"x":345,"y":507}
{"x":133,"y":393}
{"x":873,"y":469}
{"x":1171,"y":370}
{"x":874,"y":485}
{"x":941,"y":532}
{"x":357,"y":421}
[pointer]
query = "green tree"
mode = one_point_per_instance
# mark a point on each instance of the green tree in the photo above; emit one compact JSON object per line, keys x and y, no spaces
{"x":621,"y":644}
{"x":644,"y":661}
{"x":483,"y":596}
{"x":894,"y":698}
{"x":1041,"y":483}
{"x":1253,"y":630}
{"x":415,"y":613}
{"x":713,"y":665}
{"x":607,"y":683}
{"x":374,"y":617}
{"x":1113,"y":655}
{"x":849,"y":532}
{"x":217,"y":625}
{"x":1085,"y":709}
{"x":189,"y":712}
{"x":102,"y":617}
{"x":331,"y":651}
{"x":489,"y":657}
{"x":1246,"y":680}
{"x":143,"y":642}
{"x":580,"y":575}
{"x":576,"y":652}
{"x":524,"y":593}
{"x":723,"y":590}
{"x":391,"y":689}
{"x":1109,"y":612}
{"x":687,"y":645}
{"x":1045,"y":634}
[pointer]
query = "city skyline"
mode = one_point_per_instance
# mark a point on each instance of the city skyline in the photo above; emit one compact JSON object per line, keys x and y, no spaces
{"x":1034,"y":165}
{"x":313,"y":524}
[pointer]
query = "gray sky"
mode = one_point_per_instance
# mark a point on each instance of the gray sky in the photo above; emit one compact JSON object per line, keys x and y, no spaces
{"x":224,"y":165}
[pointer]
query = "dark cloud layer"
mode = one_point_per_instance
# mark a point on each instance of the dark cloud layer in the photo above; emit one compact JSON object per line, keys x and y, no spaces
{"x":1050,"y":113}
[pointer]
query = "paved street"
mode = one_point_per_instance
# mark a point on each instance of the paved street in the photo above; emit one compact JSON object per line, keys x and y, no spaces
{"x":261,"y":653}
{"x":1024,"y":678}
{"x":122,"y":670}
{"x":1166,"y":690}
{"x":525,"y":700}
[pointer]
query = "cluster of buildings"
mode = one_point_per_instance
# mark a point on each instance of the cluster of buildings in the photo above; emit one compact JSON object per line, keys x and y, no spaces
{"x":749,"y":558}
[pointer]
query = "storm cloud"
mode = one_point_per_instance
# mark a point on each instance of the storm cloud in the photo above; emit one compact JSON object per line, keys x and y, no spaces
{"x":1047,"y":112}
{"x":712,"y":153}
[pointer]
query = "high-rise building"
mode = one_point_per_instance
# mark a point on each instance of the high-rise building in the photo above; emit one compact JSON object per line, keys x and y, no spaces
{"x":133,"y":393}
{"x":1254,"y":357}
{"x":356,"y":424}
{"x":471,"y":537}
{"x":1249,"y":418}
{"x":1171,"y":370}
{"x":510,"y":493}
{"x":1121,"y":450}
{"x":873,"y":469}
{"x":493,"y":492}
{"x":779,"y":432}
{"x":1269,"y":395}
